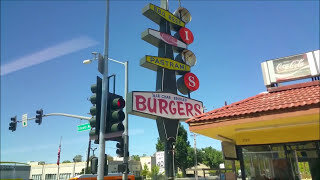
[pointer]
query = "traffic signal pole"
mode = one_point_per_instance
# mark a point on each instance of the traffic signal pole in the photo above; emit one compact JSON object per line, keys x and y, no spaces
{"x":104,"y":99}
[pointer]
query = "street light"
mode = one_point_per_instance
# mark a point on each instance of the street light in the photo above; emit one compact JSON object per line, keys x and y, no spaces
{"x":87,"y":61}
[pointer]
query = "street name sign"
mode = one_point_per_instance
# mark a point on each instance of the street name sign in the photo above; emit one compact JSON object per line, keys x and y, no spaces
{"x":156,"y":38}
{"x":24,"y":120}
{"x":167,"y":105}
{"x":84,"y":127}
{"x":156,"y":14}
{"x":153,"y":63}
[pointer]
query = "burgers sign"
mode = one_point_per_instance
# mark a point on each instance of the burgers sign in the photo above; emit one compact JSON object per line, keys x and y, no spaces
{"x":153,"y":104}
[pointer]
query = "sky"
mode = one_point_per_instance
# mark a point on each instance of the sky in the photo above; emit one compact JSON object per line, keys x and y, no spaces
{"x":43,"y":44}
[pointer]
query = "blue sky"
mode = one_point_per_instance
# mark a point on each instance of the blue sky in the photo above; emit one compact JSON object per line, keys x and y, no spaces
{"x":43,"y":44}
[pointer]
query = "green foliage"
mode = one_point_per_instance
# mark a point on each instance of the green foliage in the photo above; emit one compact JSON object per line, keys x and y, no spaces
{"x":88,"y":170}
{"x":145,"y":171}
{"x":305,"y":170}
{"x":66,"y":161}
{"x":154,"y":174}
{"x":42,"y":163}
{"x":136,"y":157}
{"x":184,"y":154}
{"x":211,"y":157}
{"x":77,"y":158}
{"x":159,"y":145}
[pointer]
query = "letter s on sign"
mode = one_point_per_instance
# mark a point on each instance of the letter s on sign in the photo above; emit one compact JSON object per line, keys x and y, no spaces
{"x":197,"y":109}
{"x":191,"y":81}
{"x":140,"y":103}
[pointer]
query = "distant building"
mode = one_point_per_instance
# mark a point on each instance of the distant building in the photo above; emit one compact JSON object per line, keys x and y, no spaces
{"x":50,"y":171}
{"x":150,"y":161}
{"x":14,"y":170}
{"x":68,"y":170}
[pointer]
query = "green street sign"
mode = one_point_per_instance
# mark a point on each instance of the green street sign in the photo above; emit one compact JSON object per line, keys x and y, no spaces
{"x":84,"y":127}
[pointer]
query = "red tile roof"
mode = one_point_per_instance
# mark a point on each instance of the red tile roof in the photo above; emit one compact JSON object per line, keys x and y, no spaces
{"x":290,"y":96}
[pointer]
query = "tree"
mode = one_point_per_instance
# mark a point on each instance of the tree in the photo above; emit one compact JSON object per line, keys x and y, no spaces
{"x":77,"y":158}
{"x":154,"y":174}
{"x":66,"y":161}
{"x":184,"y":154}
{"x":211,"y":157}
{"x":135,"y":157}
{"x":109,"y":158}
{"x":42,"y":163}
{"x":145,"y":171}
{"x":160,"y":145}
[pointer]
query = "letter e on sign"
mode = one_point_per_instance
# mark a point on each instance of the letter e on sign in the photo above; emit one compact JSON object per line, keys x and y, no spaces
{"x":191,"y":81}
{"x":186,"y":35}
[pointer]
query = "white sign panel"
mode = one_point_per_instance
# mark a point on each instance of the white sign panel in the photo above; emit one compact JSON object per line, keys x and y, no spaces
{"x":167,"y":105}
{"x":291,"y":68}
{"x":24,"y":120}
{"x":160,"y":161}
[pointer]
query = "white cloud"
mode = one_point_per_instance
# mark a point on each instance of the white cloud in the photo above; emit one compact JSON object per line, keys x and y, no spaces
{"x":48,"y":54}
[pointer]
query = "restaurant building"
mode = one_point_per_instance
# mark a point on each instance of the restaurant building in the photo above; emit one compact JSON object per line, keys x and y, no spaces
{"x":274,"y":134}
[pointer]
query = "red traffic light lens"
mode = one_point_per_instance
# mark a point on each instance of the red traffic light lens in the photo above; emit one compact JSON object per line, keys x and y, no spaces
{"x":121,"y":103}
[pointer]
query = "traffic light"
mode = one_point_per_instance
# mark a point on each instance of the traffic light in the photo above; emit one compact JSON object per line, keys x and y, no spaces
{"x":39,"y":116}
{"x":120,"y":146}
{"x":13,"y":124}
{"x":95,"y":110}
{"x":115,"y":115}
{"x":94,"y":165}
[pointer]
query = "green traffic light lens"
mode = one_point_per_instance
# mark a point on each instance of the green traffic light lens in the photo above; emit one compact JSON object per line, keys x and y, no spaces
{"x":93,"y":110}
{"x":92,"y":122}
{"x":118,"y":115}
{"x":93,"y":99}
{"x":94,"y":88}
{"x":117,"y":127}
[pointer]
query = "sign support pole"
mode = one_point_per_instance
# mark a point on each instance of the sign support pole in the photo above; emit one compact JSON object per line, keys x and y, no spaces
{"x":166,"y":82}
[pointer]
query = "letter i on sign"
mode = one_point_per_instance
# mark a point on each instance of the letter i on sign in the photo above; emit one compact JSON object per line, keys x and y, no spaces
{"x":186,"y":35}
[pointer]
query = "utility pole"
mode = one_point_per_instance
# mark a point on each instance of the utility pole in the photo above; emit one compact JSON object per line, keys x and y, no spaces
{"x":195,"y":156}
{"x":104,"y":98}
{"x":88,"y":156}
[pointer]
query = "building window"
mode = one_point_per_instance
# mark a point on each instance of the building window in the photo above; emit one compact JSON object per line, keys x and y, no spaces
{"x":51,"y":177}
{"x":36,"y":176}
{"x":65,"y":176}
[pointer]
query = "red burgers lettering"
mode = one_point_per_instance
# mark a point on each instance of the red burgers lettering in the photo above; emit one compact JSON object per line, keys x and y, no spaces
{"x":163,"y":104}
{"x":140,"y":103}
{"x":180,"y":109}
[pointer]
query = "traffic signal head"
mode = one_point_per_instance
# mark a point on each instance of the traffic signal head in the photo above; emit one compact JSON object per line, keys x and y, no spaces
{"x":13,"y":124}
{"x":39,"y":116}
{"x":95,"y":110}
{"x":120,"y":147}
{"x":115,"y":115}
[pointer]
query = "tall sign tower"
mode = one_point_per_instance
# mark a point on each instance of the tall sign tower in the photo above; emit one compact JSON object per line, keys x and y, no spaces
{"x":165,"y":105}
